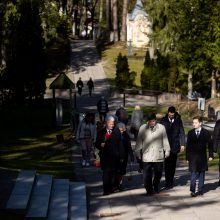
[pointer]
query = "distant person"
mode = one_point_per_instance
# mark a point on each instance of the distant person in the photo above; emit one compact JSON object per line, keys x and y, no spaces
{"x":198,"y":140}
{"x":90,"y":85}
{"x":216,"y":142}
{"x":152,"y":140}
{"x":122,"y":115}
{"x":102,"y":107}
{"x":136,"y":120}
{"x":79,"y":85}
{"x":86,"y":136}
{"x":176,"y":136}
{"x":108,"y":154}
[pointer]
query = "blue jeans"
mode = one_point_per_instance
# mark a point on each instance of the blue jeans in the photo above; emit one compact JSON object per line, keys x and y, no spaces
{"x":201,"y":178}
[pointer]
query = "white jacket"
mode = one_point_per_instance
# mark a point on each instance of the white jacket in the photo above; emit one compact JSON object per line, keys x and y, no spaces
{"x":153,"y":143}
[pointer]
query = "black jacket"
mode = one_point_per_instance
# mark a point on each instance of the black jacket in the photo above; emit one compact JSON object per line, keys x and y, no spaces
{"x":117,"y":148}
{"x":216,"y":137}
{"x":175,"y":132}
{"x":196,"y":149}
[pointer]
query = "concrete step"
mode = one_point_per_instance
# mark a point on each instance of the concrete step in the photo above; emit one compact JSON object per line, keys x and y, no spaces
{"x":58,"y":208}
{"x":77,"y":200}
{"x":40,"y":198}
{"x":20,"y":195}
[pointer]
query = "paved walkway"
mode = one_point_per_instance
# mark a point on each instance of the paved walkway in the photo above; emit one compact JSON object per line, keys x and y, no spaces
{"x":132,"y":202}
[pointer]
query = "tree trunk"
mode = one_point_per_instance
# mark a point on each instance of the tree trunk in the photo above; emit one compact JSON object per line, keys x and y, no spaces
{"x":190,"y":85}
{"x":108,"y":15}
{"x":213,"y":88}
{"x":124,"y":21}
{"x":100,"y":11}
{"x":115,"y":19}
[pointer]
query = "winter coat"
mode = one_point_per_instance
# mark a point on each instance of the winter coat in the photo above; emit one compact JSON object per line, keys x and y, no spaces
{"x":216,"y":137}
{"x":196,"y":149}
{"x":136,"y":119}
{"x":122,"y":115}
{"x":122,"y":140}
{"x":117,"y":148}
{"x":82,"y":129}
{"x":153,"y":143}
{"x":108,"y":153}
{"x":175,"y":132}
{"x":102,"y":106}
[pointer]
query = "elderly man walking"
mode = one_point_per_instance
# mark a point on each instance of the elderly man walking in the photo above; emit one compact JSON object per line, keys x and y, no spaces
{"x":152,"y":140}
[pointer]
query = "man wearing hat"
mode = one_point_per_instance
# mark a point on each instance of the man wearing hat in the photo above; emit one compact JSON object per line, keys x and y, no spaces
{"x":152,"y":140}
{"x":176,"y":136}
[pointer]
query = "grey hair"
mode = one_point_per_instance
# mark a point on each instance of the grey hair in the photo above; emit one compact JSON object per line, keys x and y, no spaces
{"x":110,"y":118}
{"x":121,"y":125}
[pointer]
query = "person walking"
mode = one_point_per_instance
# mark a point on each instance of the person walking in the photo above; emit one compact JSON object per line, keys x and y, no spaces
{"x":79,"y":85}
{"x":152,"y":140}
{"x":122,"y":140}
{"x":176,"y":136}
{"x":107,"y":154}
{"x":90,"y":85}
{"x":86,"y":136}
{"x":136,"y":121}
{"x":216,"y":143}
{"x":122,"y":115}
{"x":102,"y":107}
{"x":198,"y":141}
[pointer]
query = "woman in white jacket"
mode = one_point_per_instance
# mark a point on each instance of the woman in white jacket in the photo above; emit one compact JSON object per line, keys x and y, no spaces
{"x":86,"y":135}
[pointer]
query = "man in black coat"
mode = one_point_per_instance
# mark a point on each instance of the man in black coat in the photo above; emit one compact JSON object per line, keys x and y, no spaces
{"x":197,"y":142}
{"x":176,"y":136}
{"x":216,"y":142}
{"x":102,"y":107}
{"x":79,"y":85}
{"x":107,"y":153}
{"x":90,"y":85}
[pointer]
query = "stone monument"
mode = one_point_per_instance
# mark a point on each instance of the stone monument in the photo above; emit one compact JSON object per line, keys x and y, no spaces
{"x":138,"y":27}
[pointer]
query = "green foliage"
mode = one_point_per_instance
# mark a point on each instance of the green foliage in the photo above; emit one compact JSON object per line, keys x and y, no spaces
{"x":189,"y":31}
{"x":124,"y":78}
{"x":32,"y":29}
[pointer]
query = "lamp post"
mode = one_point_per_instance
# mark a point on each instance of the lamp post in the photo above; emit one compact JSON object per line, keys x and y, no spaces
{"x":130,"y":50}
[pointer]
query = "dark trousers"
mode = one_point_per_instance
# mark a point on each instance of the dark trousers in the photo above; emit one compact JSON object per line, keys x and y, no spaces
{"x":151,"y":169}
{"x":108,"y":180}
{"x":194,"y":176}
{"x":219,"y":165}
{"x":102,"y":116}
{"x":170,"y":168}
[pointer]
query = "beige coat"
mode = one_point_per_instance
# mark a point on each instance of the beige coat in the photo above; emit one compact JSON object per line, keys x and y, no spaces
{"x":153,"y":143}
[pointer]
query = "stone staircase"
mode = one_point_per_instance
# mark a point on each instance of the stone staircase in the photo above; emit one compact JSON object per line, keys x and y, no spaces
{"x":36,"y":196}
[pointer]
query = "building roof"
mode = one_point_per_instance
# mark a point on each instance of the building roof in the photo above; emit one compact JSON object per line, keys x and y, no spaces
{"x":138,"y":9}
{"x":62,"y":82}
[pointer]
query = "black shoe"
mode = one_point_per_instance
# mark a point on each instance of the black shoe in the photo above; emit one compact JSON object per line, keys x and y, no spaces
{"x":219,"y":183}
{"x":193,"y":194}
{"x":120,"y":187}
{"x":156,"y":190}
{"x":106,"y":193}
{"x":149,"y":193}
{"x":200,"y":193}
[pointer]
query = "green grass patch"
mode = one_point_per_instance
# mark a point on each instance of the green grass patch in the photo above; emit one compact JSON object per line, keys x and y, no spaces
{"x":28,"y":140}
{"x":109,"y":56}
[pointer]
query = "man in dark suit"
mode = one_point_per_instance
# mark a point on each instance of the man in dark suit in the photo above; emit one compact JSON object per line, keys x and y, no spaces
{"x":216,"y":142}
{"x":176,"y":136}
{"x":197,"y":142}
